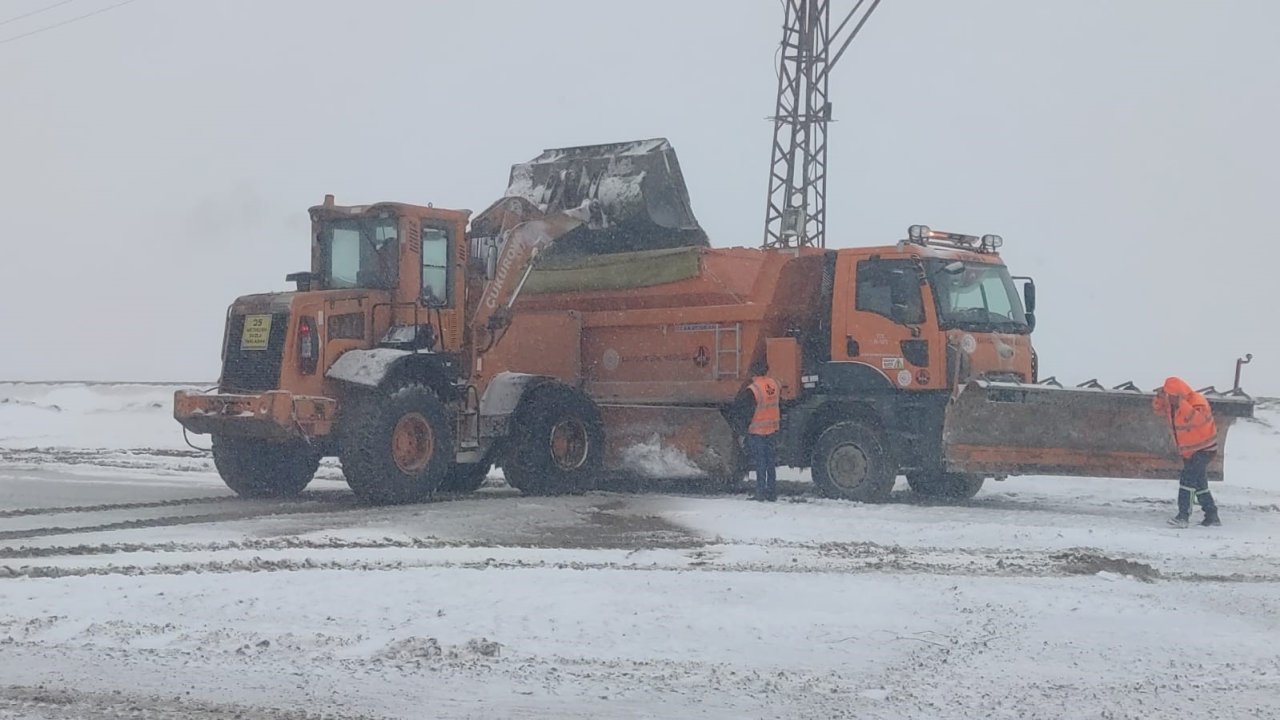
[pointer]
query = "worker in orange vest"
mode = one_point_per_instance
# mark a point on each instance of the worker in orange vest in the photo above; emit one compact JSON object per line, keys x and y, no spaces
{"x":766,"y":418}
{"x":1196,"y":435}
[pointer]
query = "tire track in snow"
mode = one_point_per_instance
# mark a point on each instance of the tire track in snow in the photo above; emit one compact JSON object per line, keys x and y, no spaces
{"x":1048,"y":564}
{"x":167,"y":521}
{"x":314,"y":502}
{"x":44,"y":703}
{"x":109,"y":507}
{"x":252,"y":544}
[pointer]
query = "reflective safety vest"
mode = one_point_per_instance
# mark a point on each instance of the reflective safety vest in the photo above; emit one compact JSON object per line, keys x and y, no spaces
{"x":1193,"y":426}
{"x":768,"y":416}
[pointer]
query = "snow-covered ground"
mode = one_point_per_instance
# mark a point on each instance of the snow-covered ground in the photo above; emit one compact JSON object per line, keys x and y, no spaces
{"x":132,"y":584}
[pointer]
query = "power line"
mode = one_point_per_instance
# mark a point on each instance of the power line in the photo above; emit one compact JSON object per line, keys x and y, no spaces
{"x":35,"y":12}
{"x":77,"y":18}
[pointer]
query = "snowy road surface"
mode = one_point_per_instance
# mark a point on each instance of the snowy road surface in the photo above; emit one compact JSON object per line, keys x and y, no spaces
{"x":133,"y":585}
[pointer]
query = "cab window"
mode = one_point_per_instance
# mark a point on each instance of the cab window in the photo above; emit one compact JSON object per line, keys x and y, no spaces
{"x":359,"y":253}
{"x":882,"y":282}
{"x":437,"y":286}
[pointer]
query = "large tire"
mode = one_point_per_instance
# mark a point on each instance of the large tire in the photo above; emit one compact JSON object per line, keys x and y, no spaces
{"x":556,"y":444}
{"x":952,"y":486}
{"x":851,"y":461}
{"x":257,"y":468}
{"x":397,"y":446}
{"x":466,"y":478}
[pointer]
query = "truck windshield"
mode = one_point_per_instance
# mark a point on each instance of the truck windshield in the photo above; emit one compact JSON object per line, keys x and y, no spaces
{"x":980,"y":297}
{"x":359,"y":253}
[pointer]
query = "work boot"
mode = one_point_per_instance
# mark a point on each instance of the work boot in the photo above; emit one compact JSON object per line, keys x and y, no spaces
{"x":1180,"y":520}
{"x":1211,"y":518}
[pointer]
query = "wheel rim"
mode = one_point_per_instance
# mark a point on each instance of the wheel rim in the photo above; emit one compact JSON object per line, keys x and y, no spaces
{"x":847,"y":466}
{"x":570,"y":444}
{"x":413,"y":443}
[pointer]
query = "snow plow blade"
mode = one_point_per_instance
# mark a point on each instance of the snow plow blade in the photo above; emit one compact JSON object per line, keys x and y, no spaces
{"x":638,"y":194}
{"x":998,"y":428}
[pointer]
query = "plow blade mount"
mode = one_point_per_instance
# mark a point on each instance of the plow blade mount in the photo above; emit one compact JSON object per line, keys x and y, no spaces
{"x":637,"y":190}
{"x":994,"y":429}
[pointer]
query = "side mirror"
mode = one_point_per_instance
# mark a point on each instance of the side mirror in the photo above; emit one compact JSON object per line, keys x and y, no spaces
{"x":1029,"y":297}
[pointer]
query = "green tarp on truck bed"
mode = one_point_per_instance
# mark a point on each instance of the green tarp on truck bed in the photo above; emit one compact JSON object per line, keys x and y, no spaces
{"x":615,"y":271}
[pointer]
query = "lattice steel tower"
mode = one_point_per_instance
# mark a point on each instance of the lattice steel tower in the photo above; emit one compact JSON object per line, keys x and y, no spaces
{"x":796,"y":215}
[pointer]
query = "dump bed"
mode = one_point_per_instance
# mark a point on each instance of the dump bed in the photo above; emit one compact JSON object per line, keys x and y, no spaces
{"x":677,"y":326}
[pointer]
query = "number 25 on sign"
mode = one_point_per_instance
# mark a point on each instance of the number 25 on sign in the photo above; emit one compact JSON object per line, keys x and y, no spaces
{"x":257,"y":331}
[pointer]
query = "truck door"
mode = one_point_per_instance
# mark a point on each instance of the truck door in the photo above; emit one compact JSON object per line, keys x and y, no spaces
{"x":440,"y":290}
{"x":880,"y":311}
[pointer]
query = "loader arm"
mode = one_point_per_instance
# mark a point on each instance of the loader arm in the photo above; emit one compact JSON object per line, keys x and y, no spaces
{"x":518,"y":252}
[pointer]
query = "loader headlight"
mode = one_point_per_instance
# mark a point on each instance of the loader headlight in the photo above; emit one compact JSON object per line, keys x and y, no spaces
{"x":917,"y":233}
{"x":991,"y":242}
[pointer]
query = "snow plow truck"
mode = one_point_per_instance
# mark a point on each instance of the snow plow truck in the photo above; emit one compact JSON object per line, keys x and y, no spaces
{"x":585,"y":314}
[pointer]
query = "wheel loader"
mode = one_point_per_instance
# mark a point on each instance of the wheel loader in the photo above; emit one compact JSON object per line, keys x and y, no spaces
{"x":378,"y":355}
{"x":585,"y":314}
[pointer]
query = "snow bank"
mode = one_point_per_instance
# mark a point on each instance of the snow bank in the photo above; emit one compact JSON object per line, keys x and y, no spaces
{"x":652,"y":459}
{"x":86,"y":415}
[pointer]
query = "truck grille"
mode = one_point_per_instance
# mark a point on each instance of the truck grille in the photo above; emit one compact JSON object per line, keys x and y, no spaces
{"x":246,"y":370}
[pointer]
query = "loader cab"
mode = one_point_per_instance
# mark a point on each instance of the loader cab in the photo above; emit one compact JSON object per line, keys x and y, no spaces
{"x":416,"y":253}
{"x":933,"y":311}
{"x":382,"y":275}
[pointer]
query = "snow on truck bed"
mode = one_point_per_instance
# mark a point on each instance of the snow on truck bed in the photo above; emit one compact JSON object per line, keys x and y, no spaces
{"x":1040,"y":598}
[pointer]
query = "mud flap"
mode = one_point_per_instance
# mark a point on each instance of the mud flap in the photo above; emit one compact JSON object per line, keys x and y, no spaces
{"x":994,"y":428}
{"x":662,"y":442}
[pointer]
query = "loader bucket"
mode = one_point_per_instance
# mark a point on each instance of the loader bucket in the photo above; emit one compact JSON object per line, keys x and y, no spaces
{"x":636,"y":187}
{"x":997,"y":428}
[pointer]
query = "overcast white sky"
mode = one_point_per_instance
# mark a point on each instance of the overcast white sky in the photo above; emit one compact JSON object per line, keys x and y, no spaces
{"x":157,"y":160}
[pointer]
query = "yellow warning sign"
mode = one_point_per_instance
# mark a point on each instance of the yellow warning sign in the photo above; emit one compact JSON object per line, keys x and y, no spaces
{"x":257,"y":332}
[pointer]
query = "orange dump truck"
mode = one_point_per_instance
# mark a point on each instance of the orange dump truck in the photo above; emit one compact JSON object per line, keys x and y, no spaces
{"x":912,"y":358}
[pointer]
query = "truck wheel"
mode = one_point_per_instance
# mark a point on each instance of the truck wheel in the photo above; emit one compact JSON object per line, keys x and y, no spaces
{"x":258,"y":468}
{"x":466,"y":478}
{"x":953,"y":486}
{"x":851,"y":461}
{"x":397,"y":447}
{"x":556,"y":443}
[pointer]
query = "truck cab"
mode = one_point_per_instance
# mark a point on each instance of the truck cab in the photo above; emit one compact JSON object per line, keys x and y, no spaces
{"x":905,"y":328}
{"x":929,"y":314}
